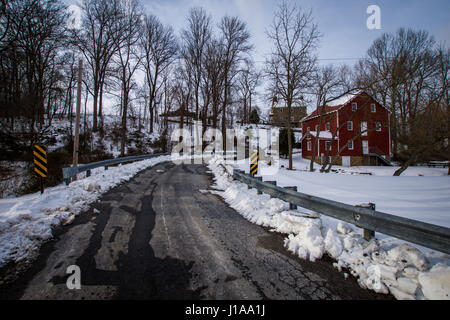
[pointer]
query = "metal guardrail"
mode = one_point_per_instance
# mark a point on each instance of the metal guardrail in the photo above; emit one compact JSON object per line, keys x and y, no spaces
{"x":69,"y":172}
{"x":436,"y":163}
{"x":421,"y":233}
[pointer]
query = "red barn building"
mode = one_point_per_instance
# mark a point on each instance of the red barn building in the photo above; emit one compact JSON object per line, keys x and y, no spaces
{"x":360,"y":126}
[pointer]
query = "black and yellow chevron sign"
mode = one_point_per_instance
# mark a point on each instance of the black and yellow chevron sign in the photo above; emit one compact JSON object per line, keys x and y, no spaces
{"x":254,"y":163}
{"x":40,"y":161}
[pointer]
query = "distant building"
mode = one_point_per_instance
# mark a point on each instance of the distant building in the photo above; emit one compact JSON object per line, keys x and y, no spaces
{"x":175,"y":116}
{"x":362,"y":131}
{"x":279,"y":116}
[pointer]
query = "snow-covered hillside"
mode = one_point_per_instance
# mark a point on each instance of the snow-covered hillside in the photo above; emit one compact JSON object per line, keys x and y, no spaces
{"x":17,"y":177}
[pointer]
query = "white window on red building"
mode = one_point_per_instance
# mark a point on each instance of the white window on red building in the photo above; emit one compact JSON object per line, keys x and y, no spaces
{"x":328,"y":145}
{"x":349,"y":125}
{"x":350,"y":145}
{"x":328,"y":126}
{"x":373,"y":108}
{"x":364,"y":128}
{"x":308,"y":145}
{"x":378,"y":126}
{"x":354,"y":106}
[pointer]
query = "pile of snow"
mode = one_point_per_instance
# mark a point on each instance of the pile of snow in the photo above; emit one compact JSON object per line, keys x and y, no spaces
{"x":385,"y":265}
{"x":26,"y":222}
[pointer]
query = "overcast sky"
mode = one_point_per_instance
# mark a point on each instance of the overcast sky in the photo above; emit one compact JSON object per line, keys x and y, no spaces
{"x":342,"y":23}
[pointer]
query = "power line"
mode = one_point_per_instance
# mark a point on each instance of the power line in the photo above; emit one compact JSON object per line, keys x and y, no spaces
{"x":326,"y":59}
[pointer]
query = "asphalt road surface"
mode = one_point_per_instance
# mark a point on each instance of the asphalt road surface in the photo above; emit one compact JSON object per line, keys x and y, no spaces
{"x":159,"y":237}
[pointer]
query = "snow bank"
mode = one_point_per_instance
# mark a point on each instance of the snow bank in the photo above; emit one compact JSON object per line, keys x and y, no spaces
{"x":26,"y":222}
{"x":386,"y":265}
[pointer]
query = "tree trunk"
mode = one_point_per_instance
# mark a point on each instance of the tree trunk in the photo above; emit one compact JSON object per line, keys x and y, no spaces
{"x":151,"y":118}
{"x":249,"y":107}
{"x":244,"y":118}
{"x":124,"y":122}
{"x":289,"y":130}
{"x":399,"y":171}
{"x":94,"y":115}
{"x":404,"y":166}
{"x":100,"y":108}
{"x":315,"y":147}
{"x":85,"y":109}
{"x":224,"y":128}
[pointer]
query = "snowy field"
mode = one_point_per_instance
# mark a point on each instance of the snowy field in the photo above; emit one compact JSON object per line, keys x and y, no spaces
{"x":26,"y":222}
{"x":420,"y":193}
{"x":386,"y":264}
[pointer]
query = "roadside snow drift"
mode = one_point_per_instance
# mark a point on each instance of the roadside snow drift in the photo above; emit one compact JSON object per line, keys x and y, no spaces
{"x":26,"y":222}
{"x":385,"y":264}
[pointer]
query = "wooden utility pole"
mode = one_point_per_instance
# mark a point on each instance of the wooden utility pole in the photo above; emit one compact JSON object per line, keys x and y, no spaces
{"x":77,"y":121}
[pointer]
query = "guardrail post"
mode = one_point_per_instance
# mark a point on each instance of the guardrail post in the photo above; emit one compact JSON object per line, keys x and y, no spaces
{"x":260,"y":179}
{"x":67,"y":181}
{"x":106,"y":167}
{"x":88,"y":173}
{"x":292,"y":206}
{"x":367,"y":233}
{"x":272,"y":182}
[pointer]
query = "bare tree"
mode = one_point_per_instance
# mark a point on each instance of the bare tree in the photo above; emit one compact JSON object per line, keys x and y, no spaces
{"x":248,"y":80}
{"x":235,"y":40}
{"x":11,"y":22}
{"x":212,"y":82}
{"x":98,"y":41}
{"x":289,"y":68}
{"x":160,"y":50}
{"x":444,"y":69}
{"x":408,"y":63}
{"x":129,"y":57}
{"x":31,"y":81}
{"x":184,"y":88}
{"x":195,"y":39}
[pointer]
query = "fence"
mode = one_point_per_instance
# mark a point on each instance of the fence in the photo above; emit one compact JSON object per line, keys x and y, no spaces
{"x":70,"y":172}
{"x":371,"y":221}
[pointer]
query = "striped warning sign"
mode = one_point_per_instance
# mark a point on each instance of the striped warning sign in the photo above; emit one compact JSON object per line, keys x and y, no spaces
{"x":40,"y":161}
{"x":254,"y":163}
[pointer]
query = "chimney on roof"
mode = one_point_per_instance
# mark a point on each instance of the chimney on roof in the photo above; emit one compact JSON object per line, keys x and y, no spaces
{"x":274,"y":101}
{"x":320,"y":109}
